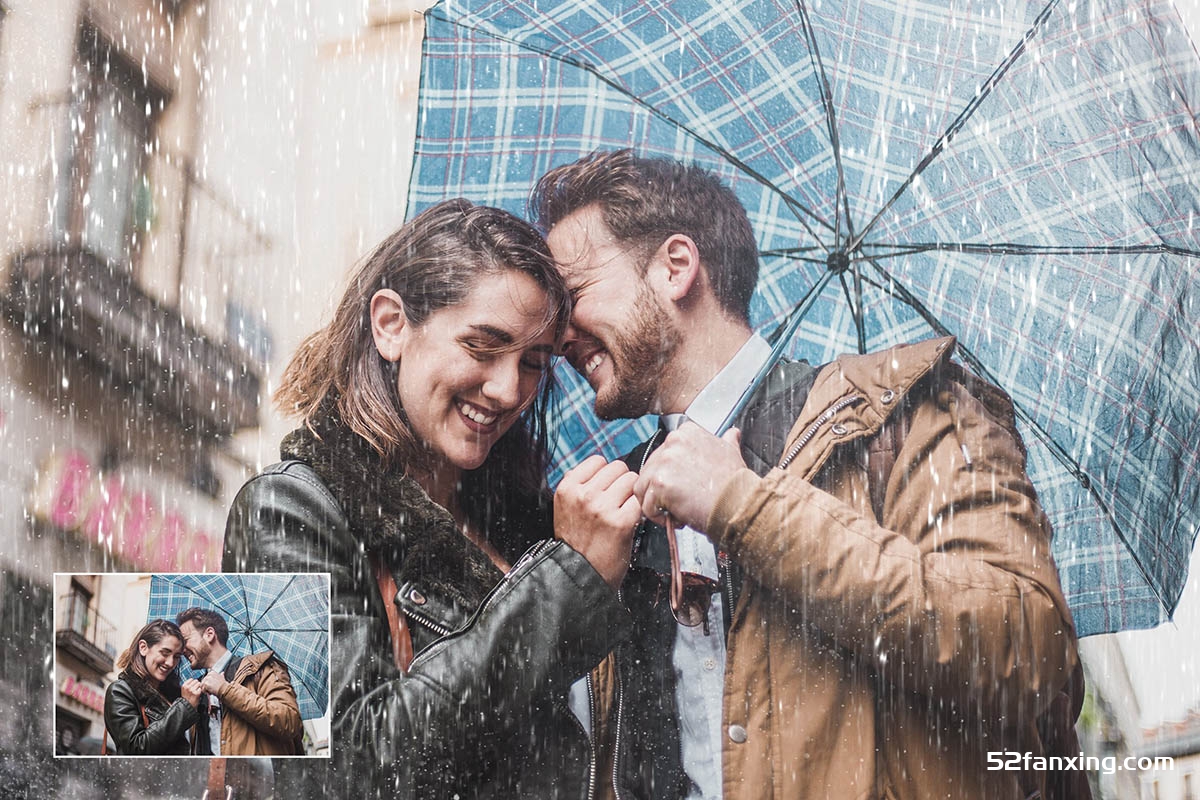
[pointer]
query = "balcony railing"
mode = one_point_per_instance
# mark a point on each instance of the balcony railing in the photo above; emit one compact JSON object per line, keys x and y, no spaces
{"x":81,"y":631}
{"x":156,"y":306}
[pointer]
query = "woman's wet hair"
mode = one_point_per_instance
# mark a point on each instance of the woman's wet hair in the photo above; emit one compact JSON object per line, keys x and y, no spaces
{"x":151,"y":633}
{"x":433,"y":261}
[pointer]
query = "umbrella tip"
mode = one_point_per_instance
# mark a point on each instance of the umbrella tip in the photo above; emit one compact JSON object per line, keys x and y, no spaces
{"x":837,"y":262}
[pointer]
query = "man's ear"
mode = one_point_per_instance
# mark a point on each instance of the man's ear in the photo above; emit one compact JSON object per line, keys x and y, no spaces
{"x":388,"y":323}
{"x":678,"y":263}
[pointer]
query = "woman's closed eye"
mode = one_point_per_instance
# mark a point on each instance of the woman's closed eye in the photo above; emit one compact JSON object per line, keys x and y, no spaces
{"x":481,"y":350}
{"x":537,"y":360}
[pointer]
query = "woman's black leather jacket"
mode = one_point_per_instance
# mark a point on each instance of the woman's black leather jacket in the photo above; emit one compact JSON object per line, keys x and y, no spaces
{"x":169,"y":720}
{"x":482,"y":712}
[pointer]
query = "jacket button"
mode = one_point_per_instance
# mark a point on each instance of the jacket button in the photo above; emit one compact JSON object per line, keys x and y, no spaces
{"x":887,"y":397}
{"x":737,"y":733}
{"x":417,"y":598}
{"x":839,"y":429}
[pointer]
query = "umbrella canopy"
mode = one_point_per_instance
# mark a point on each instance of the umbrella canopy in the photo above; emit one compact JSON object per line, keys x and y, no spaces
{"x":288,"y":614}
{"x":1022,"y":175}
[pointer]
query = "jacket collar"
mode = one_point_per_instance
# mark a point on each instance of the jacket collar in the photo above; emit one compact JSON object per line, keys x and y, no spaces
{"x":873,"y":386}
{"x":392,"y":515}
{"x":147,"y":695}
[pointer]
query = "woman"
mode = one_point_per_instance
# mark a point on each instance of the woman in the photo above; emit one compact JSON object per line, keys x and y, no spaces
{"x":417,"y":481}
{"x":146,"y":711}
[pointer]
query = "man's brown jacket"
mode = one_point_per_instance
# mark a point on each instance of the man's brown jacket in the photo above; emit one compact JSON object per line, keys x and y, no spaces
{"x":887,"y":660}
{"x":260,"y":714}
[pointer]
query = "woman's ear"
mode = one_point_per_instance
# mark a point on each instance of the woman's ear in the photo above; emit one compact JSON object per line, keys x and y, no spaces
{"x":388,"y":323}
{"x":143,"y":648}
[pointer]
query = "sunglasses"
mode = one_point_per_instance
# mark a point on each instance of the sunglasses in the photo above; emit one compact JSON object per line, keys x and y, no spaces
{"x":688,"y":593}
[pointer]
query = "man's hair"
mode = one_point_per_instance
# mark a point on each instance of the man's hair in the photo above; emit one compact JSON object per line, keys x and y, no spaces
{"x":202,"y":618}
{"x":645,"y":200}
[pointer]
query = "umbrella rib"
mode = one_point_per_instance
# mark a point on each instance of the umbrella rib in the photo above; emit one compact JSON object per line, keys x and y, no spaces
{"x":897,"y":290}
{"x":981,"y":94}
{"x":842,"y":202}
{"x":1012,"y":248}
{"x":855,"y":303}
{"x":272,"y":604}
{"x":796,"y":207}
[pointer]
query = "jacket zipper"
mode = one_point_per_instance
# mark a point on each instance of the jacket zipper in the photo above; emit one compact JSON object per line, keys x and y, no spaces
{"x":617,"y":737}
{"x":592,"y":710}
{"x":726,"y":579}
{"x":440,"y":630}
{"x":487,"y":601}
{"x":812,"y":429}
{"x":437,"y":646}
{"x":649,"y":447}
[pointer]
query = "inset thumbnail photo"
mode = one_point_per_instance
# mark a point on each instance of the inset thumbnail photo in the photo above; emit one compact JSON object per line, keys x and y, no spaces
{"x":191,"y":664}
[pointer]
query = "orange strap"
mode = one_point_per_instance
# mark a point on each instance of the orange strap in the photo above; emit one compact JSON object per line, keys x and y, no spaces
{"x":216,"y":780}
{"x":402,"y":647}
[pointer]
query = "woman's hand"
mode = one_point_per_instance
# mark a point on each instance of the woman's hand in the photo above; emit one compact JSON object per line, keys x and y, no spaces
{"x":191,"y":691}
{"x":596,"y":513}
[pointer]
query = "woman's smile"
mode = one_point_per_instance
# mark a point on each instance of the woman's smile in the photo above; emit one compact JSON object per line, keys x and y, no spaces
{"x":478,"y":418}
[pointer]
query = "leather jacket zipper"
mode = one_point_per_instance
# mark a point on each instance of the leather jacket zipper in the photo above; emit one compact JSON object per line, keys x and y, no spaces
{"x":617,"y":737}
{"x":592,"y":711}
{"x":812,"y":429}
{"x":437,"y":646}
{"x":440,"y":630}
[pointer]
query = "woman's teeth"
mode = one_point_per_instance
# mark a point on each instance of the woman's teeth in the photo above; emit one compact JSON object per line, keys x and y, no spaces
{"x":475,"y":415}
{"x":592,"y":363}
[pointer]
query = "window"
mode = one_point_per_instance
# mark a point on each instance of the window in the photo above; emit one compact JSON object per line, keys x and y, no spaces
{"x":104,"y":202}
{"x":78,"y":618}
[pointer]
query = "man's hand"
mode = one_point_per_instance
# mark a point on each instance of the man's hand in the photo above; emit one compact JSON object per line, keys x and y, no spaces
{"x":683,"y":476}
{"x":595,"y":512}
{"x":191,"y":691}
{"x":213,"y":682}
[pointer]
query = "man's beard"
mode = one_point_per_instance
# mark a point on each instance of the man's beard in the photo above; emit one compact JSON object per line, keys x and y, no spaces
{"x":639,"y":356}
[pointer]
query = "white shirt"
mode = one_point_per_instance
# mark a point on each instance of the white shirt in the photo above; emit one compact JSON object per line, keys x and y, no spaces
{"x":214,"y":703}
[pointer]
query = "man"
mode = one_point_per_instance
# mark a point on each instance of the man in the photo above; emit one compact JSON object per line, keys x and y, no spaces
{"x":252,"y":707}
{"x":875,"y":632}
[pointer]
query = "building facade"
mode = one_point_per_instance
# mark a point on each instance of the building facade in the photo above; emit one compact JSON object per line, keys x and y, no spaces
{"x":184,"y":186}
{"x":1179,"y":741}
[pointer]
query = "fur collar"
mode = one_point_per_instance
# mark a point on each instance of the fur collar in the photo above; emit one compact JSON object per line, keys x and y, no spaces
{"x":147,"y":695}
{"x":392,"y":515}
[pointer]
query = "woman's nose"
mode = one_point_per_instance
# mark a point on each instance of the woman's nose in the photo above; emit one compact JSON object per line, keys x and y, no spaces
{"x":503,"y":385}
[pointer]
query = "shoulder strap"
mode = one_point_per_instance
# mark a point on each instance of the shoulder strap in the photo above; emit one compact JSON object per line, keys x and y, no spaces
{"x":232,"y":667}
{"x":402,"y":648}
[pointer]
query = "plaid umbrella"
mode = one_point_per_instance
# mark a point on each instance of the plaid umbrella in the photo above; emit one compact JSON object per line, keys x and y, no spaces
{"x":1022,"y":175}
{"x":288,"y":614}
